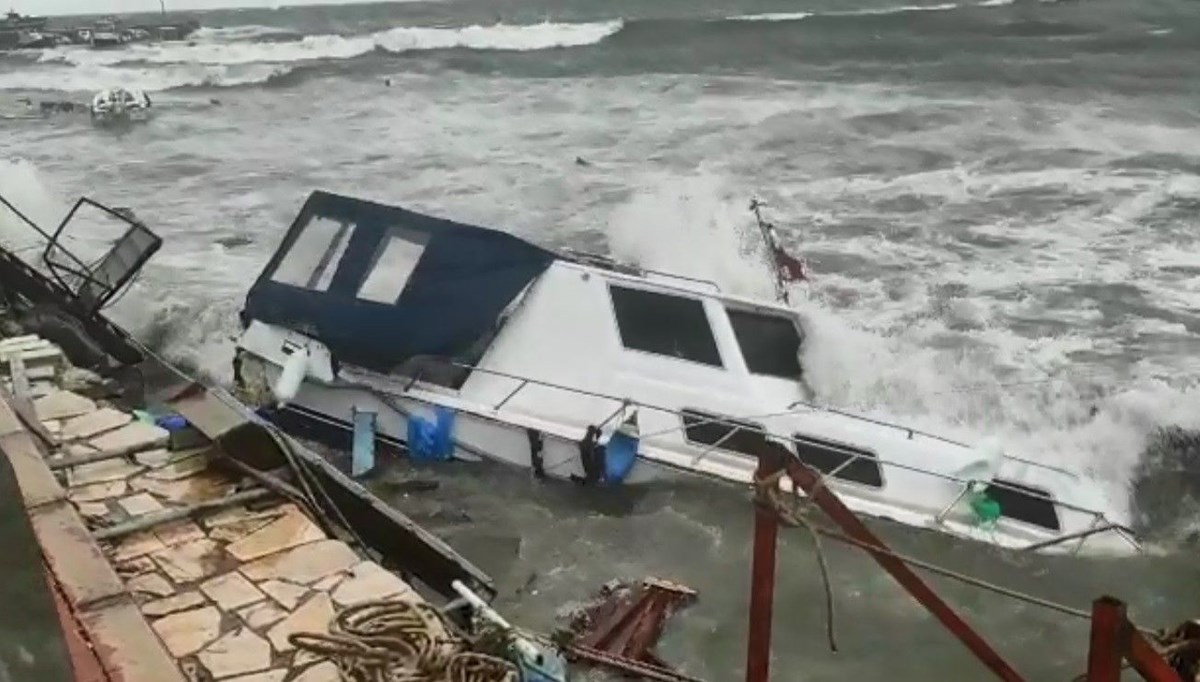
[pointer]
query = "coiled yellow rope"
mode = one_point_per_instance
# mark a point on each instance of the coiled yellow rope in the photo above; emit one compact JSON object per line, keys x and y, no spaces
{"x":400,"y":641}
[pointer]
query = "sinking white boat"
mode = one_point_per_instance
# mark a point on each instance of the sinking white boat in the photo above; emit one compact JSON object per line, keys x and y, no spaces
{"x":119,"y":106}
{"x":465,"y":342}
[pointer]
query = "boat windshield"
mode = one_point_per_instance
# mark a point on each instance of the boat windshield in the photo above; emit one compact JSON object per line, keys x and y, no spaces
{"x":770,"y":343}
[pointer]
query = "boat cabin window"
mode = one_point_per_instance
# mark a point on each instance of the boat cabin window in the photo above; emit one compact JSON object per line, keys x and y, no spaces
{"x":842,"y":461}
{"x":1025,"y":503}
{"x":770,"y":343}
{"x":313,"y":257}
{"x":394,"y":262}
{"x":664,"y":324}
{"x":727,"y":434}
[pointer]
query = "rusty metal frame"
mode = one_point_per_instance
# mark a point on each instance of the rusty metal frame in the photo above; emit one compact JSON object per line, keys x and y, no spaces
{"x":1114,"y":639}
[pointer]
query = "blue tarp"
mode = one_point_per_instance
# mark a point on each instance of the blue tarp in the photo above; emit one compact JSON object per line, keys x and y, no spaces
{"x":465,"y":278}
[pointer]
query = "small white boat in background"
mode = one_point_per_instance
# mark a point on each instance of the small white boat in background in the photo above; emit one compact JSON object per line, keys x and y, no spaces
{"x":463,"y":342}
{"x":120,"y":106}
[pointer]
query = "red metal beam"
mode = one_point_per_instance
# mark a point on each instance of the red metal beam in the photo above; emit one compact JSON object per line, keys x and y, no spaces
{"x":762,"y":594}
{"x":1114,"y":638}
{"x":1107,"y":640}
{"x":774,"y":457}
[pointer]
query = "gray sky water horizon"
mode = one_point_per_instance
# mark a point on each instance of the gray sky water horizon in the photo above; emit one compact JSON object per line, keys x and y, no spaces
{"x":72,"y":7}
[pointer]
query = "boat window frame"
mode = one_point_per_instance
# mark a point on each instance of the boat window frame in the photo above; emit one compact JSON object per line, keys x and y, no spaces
{"x":1029,"y":494}
{"x":410,"y":238}
{"x":611,"y":285}
{"x":322,"y":272}
{"x":714,"y":419}
{"x":732,"y":308}
{"x":837,"y":472}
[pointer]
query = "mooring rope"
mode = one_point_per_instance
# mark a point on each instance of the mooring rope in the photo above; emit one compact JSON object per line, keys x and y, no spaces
{"x":400,"y":641}
{"x":794,"y":515}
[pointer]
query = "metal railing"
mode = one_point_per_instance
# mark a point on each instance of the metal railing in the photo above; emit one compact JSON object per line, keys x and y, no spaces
{"x":851,"y":456}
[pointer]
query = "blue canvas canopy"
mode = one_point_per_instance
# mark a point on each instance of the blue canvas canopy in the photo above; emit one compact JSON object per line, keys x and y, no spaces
{"x":379,"y":285}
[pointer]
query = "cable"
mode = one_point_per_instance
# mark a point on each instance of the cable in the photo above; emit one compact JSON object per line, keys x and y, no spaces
{"x":961,"y":577}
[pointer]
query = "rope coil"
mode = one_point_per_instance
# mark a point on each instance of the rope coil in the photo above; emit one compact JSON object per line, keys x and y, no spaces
{"x":400,"y":641}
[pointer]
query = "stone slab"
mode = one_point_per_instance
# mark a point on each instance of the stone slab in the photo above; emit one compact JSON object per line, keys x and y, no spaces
{"x":369,"y":581}
{"x":288,"y":595}
{"x":151,"y":584}
{"x":292,"y":530}
{"x":142,"y":503}
{"x":62,"y":405}
{"x":131,"y":438}
{"x":126,"y":644}
{"x":136,"y":566}
{"x":154,"y":458}
{"x":231,"y":591}
{"x":203,"y":486}
{"x":77,"y":562}
{"x":232,"y":532}
{"x":328,"y":583}
{"x":239,"y":652}
{"x":182,"y":467}
{"x":303,"y":565}
{"x":321,"y":672}
{"x":94,"y":423}
{"x":135,"y":545}
{"x":187,"y":632}
{"x":101,"y":472}
{"x":179,"y":532}
{"x":312,"y":616}
{"x":97,"y":491}
{"x":237,"y":515}
{"x":175,"y":604}
{"x":261,"y":615}
{"x":190,"y":561}
{"x":93,"y":510}
{"x":53,"y":427}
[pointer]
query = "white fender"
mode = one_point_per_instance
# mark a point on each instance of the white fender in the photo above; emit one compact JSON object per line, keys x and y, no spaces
{"x":294,"y":371}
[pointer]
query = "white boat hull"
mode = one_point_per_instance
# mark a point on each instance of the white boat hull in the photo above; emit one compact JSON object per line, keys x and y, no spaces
{"x":478,"y":435}
{"x":475,"y":436}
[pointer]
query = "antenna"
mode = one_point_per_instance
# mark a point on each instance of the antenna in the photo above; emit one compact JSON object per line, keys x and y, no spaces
{"x":768,"y":234}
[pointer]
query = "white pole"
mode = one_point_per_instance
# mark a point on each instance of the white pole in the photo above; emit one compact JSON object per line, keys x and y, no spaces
{"x":487,"y":612}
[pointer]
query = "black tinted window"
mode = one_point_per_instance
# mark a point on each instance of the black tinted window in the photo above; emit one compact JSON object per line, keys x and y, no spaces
{"x":770,"y":344}
{"x":827,"y":457}
{"x":699,"y":427}
{"x":664,"y":324}
{"x":1024,"y":503}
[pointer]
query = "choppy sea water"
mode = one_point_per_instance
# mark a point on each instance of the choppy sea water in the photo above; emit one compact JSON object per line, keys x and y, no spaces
{"x":998,"y":201}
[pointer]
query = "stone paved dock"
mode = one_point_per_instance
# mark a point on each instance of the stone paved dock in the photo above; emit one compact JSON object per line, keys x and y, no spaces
{"x":210,"y":597}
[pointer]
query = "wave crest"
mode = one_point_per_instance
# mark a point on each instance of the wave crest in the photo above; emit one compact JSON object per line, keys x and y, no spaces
{"x":219,"y":49}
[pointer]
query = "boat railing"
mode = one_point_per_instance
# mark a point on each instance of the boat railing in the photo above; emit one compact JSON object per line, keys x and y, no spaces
{"x":968,"y":483}
{"x":608,"y":263}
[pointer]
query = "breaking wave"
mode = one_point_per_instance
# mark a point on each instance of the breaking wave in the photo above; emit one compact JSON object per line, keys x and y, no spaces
{"x":1055,"y":409}
{"x":253,"y":54}
{"x":874,"y":11}
{"x":240,"y":56}
{"x":233,"y":47}
{"x":96,"y":77}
